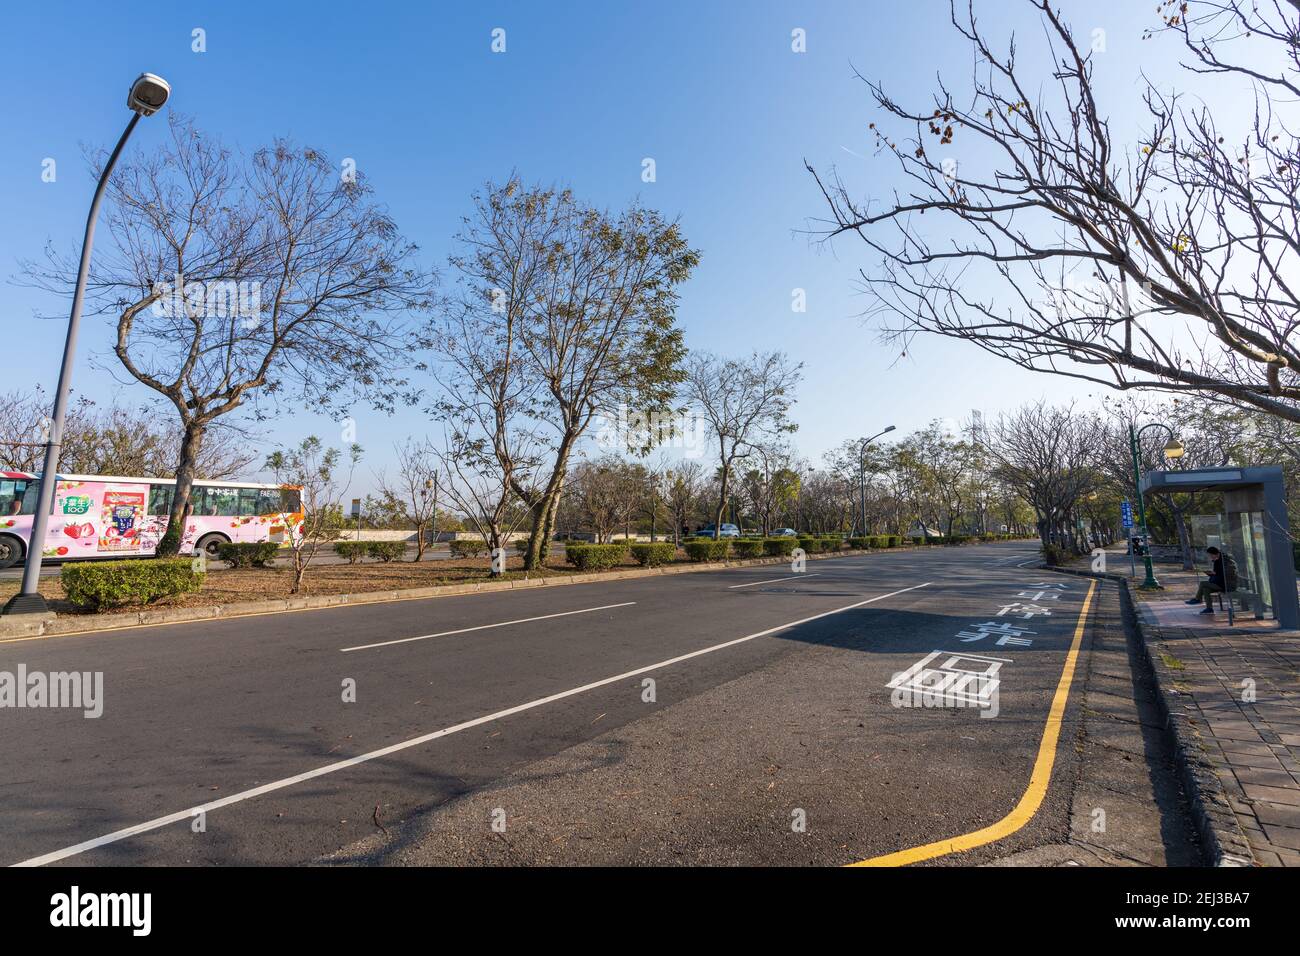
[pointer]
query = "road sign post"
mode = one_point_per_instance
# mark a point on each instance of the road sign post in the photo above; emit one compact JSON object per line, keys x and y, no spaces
{"x":1126,"y":518}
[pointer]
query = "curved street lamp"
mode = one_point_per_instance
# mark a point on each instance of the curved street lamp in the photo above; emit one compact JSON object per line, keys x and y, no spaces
{"x":1173,"y":449}
{"x":862,"y":473}
{"x":147,"y":95}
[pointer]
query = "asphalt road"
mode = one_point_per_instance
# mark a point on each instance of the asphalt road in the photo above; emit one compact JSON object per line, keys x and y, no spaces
{"x":248,"y":718}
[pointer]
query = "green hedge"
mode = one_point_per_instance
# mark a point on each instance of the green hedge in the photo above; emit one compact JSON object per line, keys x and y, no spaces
{"x":707,"y":549}
{"x":352,"y":550}
{"x":142,"y":581}
{"x":386,"y":551}
{"x":596,"y":557}
{"x":778,"y":547}
{"x":654,"y":554}
{"x":809,"y":545}
{"x":747,"y":548}
{"x":248,"y":554}
{"x":467,"y":547}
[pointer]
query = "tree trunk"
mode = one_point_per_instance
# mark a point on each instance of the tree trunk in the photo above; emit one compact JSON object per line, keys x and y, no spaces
{"x":722,"y":501}
{"x":170,"y":544}
{"x":544,"y":512}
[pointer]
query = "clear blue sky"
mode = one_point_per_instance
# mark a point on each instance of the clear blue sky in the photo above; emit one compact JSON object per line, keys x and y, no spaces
{"x":585,"y":91}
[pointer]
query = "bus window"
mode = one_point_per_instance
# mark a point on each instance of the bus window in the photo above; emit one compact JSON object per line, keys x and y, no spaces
{"x":268,"y":501}
{"x":160,"y":499}
{"x":13,"y":497}
{"x":220,"y":502}
{"x":29,"y":498}
{"x":249,"y":499}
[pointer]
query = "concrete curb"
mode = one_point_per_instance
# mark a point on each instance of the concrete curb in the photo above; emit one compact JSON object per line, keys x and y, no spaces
{"x":24,"y":628}
{"x":1222,"y":838}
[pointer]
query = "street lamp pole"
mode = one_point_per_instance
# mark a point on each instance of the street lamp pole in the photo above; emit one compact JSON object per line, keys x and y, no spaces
{"x":1173,"y":449}
{"x":148,"y":94}
{"x":862,"y":475}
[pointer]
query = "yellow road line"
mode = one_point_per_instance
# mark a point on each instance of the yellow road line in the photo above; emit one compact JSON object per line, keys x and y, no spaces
{"x":1038,"y":780}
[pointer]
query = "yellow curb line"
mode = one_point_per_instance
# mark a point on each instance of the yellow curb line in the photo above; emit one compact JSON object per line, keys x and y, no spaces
{"x":1038,"y":780}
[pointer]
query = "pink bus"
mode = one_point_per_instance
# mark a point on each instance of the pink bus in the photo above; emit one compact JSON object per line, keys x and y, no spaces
{"x":100,"y":516}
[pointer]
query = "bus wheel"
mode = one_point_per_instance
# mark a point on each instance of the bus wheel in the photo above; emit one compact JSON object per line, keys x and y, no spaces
{"x":11,"y":551}
{"x":210,"y":544}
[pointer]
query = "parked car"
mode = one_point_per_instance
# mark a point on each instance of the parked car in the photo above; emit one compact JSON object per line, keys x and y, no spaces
{"x":728,"y":531}
{"x":785,"y":533}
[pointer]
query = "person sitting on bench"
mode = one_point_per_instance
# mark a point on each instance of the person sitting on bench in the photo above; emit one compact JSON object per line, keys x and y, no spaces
{"x":1222,"y":579}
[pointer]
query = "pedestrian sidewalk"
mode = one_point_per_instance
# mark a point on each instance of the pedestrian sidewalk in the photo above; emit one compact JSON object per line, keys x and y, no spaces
{"x":1238,"y":689}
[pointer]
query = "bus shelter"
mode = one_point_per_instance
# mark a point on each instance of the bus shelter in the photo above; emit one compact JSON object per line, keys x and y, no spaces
{"x":1253,"y":528}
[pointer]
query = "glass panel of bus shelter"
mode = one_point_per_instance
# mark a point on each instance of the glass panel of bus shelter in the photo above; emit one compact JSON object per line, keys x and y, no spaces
{"x":1246,"y":544}
{"x":1207,"y":532}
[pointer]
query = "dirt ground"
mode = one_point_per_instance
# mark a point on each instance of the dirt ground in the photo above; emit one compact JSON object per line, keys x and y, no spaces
{"x":226,"y":586}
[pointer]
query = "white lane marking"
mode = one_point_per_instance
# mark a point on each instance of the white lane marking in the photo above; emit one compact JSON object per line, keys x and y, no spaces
{"x":485,"y":627}
{"x":265,"y":788}
{"x":751,"y":584}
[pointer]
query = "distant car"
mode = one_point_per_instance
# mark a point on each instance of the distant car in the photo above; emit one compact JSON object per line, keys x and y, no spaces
{"x":728,"y":531}
{"x":785,"y":533}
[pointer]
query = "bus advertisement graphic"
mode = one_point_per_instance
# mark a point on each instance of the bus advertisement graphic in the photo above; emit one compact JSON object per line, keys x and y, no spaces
{"x":122,"y":511}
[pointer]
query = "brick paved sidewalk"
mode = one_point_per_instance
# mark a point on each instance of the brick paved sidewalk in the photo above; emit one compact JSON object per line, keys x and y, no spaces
{"x":1239,"y":690}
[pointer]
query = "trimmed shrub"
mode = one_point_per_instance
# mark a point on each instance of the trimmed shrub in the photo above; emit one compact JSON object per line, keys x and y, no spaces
{"x":654,"y":554}
{"x":467,"y":547}
{"x":918,"y":539}
{"x":893,"y":540}
{"x":860,"y":544}
{"x":354,"y":551}
{"x":248,"y":554}
{"x":707,"y":549}
{"x":142,"y":581}
{"x":386,"y":551}
{"x":596,"y":557}
{"x":747,"y":548}
{"x":1055,"y":555}
{"x":809,"y":545}
{"x":778,"y":547}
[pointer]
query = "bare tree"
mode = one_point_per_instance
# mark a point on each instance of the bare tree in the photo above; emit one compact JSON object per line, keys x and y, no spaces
{"x":1168,"y":263}
{"x":112,"y":441}
{"x":233,"y":282}
{"x":608,"y":492}
{"x":473,"y":480}
{"x":318,"y":472}
{"x":583,"y":301}
{"x":683,"y":493}
{"x":770,"y":484}
{"x":1052,"y":456}
{"x":744,"y":403}
{"x":413,"y":495}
